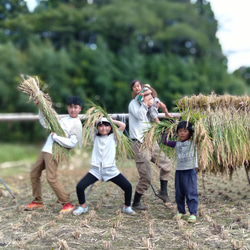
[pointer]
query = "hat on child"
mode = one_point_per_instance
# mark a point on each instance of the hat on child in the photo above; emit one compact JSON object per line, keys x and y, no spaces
{"x":102,"y":120}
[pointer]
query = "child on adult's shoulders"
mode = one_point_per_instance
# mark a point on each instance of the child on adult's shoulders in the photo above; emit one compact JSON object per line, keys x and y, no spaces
{"x":147,"y":95}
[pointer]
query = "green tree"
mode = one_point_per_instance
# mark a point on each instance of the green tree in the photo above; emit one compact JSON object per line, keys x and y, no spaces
{"x":244,"y":74}
{"x":12,"y":8}
{"x":96,"y":48}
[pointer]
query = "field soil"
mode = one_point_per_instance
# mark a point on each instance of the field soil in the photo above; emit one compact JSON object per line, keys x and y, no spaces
{"x":223,"y":220}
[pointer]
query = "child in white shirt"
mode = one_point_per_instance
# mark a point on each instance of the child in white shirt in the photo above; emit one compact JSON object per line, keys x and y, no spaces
{"x":104,"y":166}
{"x":72,"y":126}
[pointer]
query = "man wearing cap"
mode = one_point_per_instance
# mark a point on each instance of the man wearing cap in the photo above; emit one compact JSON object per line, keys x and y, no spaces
{"x":139,"y":121}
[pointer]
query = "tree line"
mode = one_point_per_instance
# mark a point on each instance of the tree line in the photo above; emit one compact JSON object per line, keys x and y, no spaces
{"x":95,"y":48}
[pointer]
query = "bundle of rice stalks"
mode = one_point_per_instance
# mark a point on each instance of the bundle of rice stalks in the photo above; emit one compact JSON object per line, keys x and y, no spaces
{"x":155,"y":132}
{"x":214,"y":102}
{"x":167,"y":129}
{"x":30,"y":86}
{"x":95,"y":113}
{"x":221,"y":130}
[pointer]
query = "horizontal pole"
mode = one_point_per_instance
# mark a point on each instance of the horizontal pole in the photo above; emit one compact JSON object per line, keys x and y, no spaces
{"x":11,"y":117}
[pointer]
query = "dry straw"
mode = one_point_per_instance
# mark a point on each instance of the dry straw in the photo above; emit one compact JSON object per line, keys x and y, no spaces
{"x":93,"y":114}
{"x":221,"y":130}
{"x":30,"y":86}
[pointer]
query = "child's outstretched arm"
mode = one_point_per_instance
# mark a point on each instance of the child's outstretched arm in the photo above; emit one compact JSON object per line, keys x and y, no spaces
{"x":166,"y":142}
{"x":121,"y":125}
{"x":164,"y":109}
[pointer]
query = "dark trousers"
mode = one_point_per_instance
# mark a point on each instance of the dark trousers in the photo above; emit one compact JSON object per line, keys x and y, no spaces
{"x":186,"y":188}
{"x":120,"y":180}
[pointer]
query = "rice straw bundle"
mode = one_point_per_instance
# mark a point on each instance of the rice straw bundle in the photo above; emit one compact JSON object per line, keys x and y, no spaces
{"x":30,"y":86}
{"x":95,"y":113}
{"x":168,"y":128}
{"x":154,"y":134}
{"x":221,"y":130}
{"x":226,"y":122}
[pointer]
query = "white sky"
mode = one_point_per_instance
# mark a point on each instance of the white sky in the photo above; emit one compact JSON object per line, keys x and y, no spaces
{"x":31,"y":4}
{"x":233,"y":20}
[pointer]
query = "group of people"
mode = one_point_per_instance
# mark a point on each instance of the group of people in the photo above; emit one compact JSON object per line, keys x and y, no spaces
{"x":143,"y":110}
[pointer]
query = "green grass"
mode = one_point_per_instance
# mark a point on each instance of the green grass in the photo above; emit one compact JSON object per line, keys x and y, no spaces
{"x":16,"y":159}
{"x":18,"y":152}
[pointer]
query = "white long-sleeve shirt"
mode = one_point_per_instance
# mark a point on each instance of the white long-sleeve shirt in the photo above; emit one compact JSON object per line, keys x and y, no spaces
{"x":139,"y":120}
{"x":70,"y":126}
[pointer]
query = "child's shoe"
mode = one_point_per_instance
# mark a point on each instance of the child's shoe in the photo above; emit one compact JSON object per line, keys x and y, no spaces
{"x":67,"y":208}
{"x":33,"y":205}
{"x":128,"y":210}
{"x":192,"y":218}
{"x":179,"y":216}
{"x":80,"y":210}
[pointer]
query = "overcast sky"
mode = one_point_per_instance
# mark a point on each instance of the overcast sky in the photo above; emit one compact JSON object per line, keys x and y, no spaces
{"x":233,"y":19}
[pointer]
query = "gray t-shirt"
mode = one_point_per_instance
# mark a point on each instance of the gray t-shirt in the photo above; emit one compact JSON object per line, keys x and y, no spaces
{"x":186,"y":154}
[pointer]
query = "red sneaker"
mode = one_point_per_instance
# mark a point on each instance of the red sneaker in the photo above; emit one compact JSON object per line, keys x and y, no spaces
{"x":33,"y":205}
{"x":67,"y":208}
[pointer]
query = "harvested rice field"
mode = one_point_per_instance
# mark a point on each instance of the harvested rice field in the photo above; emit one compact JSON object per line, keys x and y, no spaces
{"x":223,"y":220}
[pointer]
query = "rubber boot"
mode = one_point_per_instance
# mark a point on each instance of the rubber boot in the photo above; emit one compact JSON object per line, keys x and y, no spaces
{"x":163,"y":194}
{"x":137,"y":202}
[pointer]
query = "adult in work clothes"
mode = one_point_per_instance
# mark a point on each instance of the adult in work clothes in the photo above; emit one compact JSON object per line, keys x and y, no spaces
{"x":139,"y":120}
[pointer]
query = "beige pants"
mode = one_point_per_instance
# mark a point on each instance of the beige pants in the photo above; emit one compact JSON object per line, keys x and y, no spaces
{"x":44,"y":162}
{"x":143,"y":161}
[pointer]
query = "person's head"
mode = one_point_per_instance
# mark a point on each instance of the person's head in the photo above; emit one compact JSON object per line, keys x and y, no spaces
{"x":74,"y":106}
{"x":184,"y":130}
{"x":103,"y":126}
{"x":136,"y":86}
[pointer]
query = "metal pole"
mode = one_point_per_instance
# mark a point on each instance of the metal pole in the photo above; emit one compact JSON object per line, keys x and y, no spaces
{"x":86,"y":196}
{"x":154,"y":190}
{"x":247,"y":175}
{"x":7,"y":188}
{"x":12,"y":117}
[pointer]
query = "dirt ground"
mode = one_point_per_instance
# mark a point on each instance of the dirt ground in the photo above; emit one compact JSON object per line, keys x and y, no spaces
{"x":223,"y":220}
